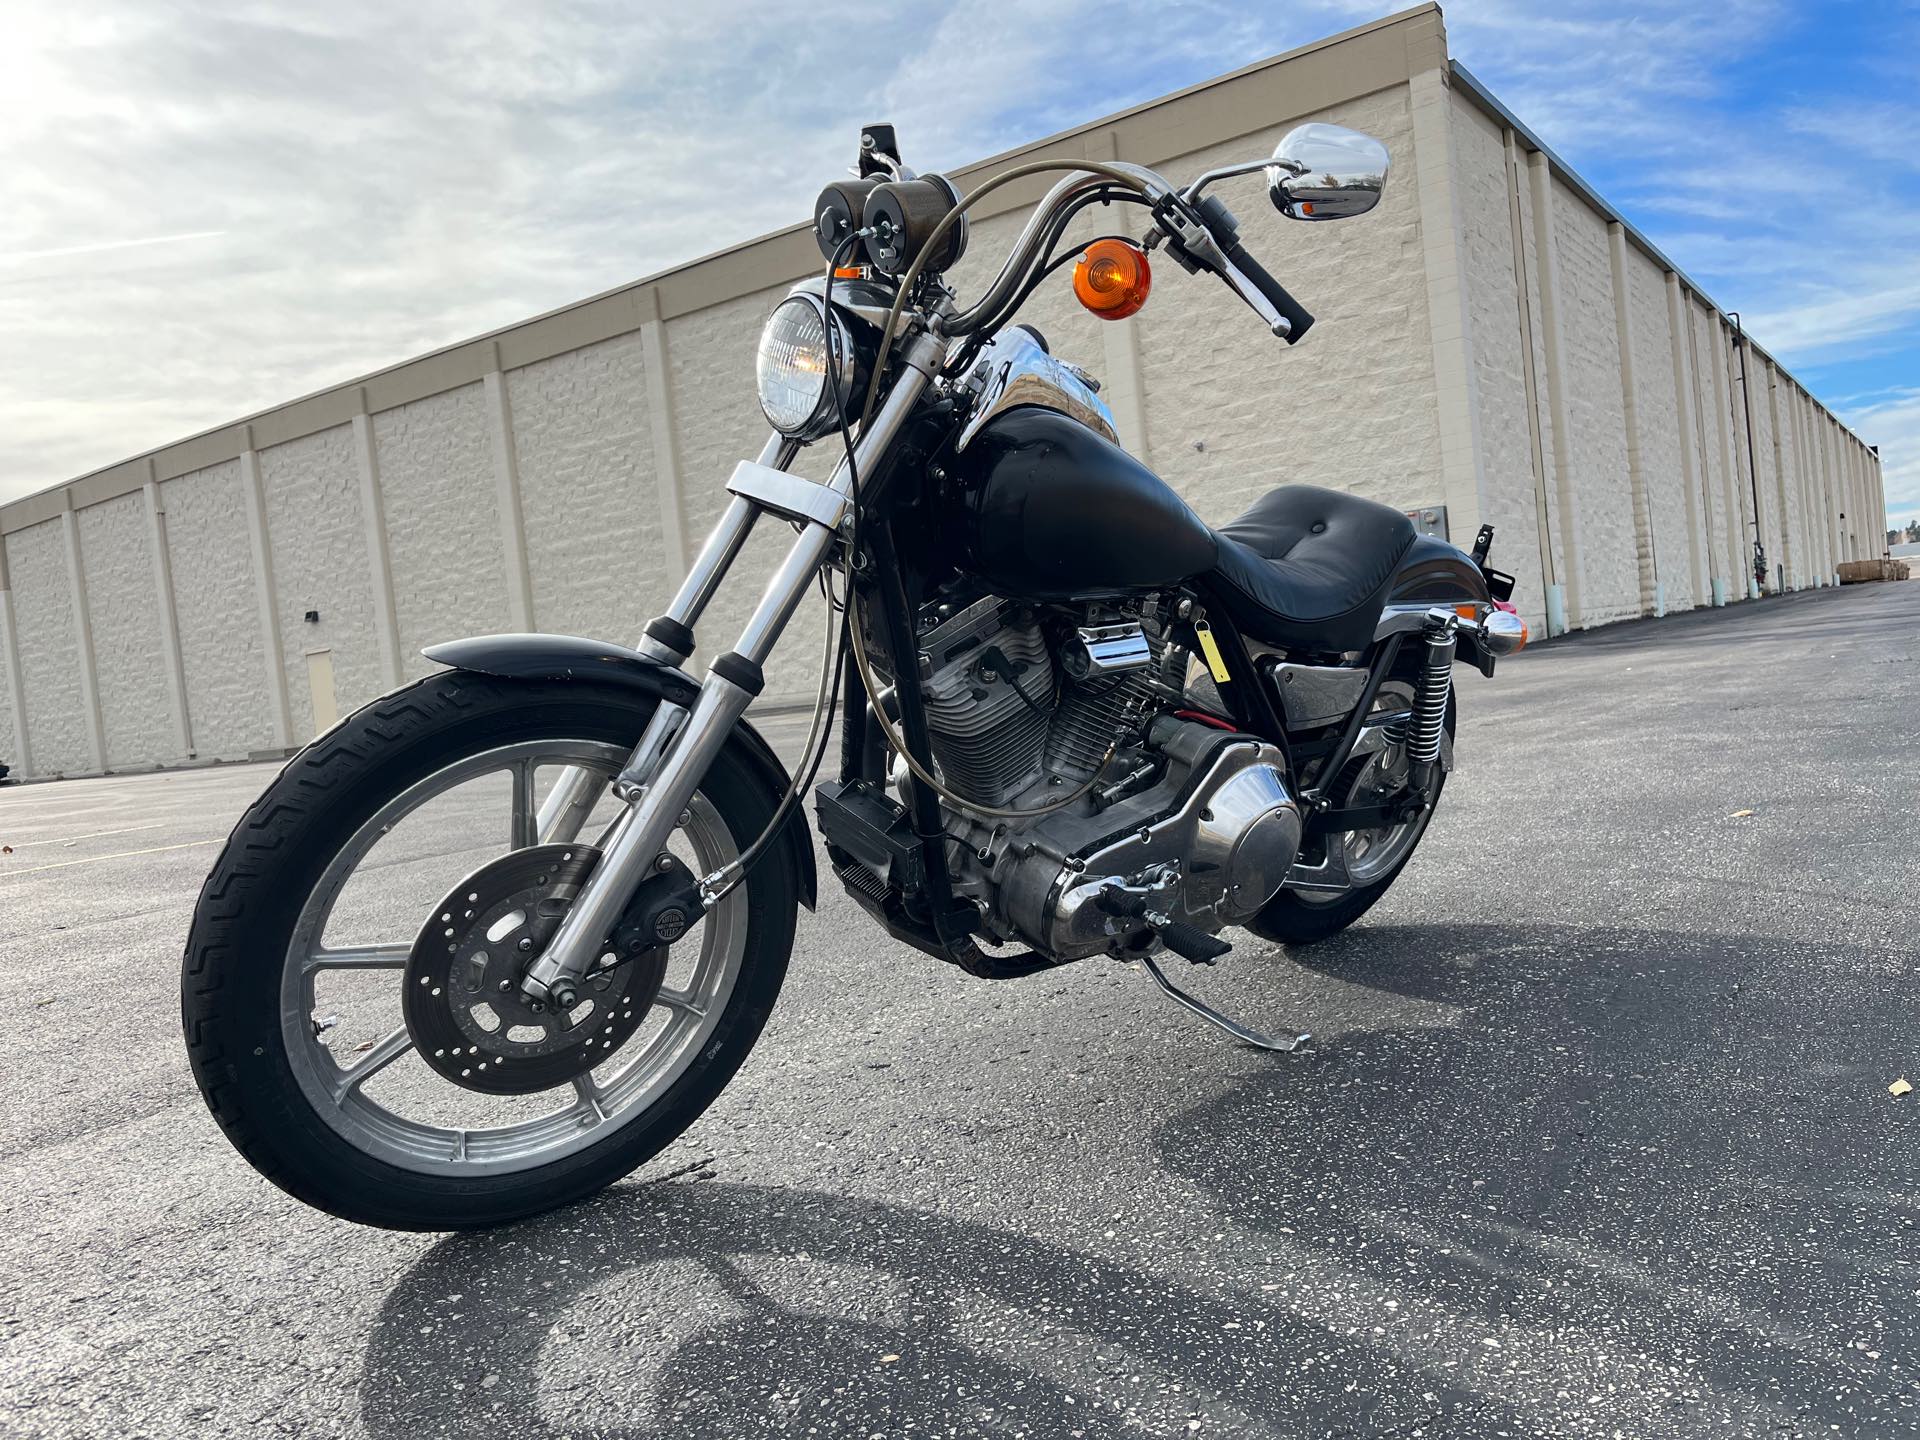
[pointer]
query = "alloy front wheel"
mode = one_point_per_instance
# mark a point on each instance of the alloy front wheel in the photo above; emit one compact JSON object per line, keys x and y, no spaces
{"x":351,"y":990}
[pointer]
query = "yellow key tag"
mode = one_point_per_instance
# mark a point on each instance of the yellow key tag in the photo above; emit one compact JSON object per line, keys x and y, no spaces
{"x":1210,"y":648}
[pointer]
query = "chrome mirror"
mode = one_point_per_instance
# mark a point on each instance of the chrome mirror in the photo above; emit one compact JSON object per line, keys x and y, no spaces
{"x":1326,"y":172}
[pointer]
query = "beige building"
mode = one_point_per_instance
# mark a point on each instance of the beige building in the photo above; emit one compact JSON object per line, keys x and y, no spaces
{"x":1495,"y":344}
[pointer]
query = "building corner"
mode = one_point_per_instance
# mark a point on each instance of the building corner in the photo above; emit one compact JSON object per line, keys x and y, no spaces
{"x":1443,"y":255}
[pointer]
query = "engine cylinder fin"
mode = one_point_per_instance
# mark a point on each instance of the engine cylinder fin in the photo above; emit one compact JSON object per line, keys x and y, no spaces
{"x":987,"y":739}
{"x":1090,"y":718}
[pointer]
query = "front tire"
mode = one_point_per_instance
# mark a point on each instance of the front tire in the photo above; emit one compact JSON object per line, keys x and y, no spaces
{"x":247,"y":986}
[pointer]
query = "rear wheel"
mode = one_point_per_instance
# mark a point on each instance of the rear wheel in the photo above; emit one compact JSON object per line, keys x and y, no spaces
{"x":1374,"y":858}
{"x":350,"y":989}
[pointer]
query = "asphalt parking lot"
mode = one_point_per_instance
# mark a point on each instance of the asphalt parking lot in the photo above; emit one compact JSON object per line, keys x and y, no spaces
{"x":1595,"y":1138}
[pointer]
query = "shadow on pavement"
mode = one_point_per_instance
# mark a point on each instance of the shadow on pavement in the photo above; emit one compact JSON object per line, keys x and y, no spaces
{"x":744,"y":1310}
{"x":1572,"y":1162}
{"x":1591,"y":1163}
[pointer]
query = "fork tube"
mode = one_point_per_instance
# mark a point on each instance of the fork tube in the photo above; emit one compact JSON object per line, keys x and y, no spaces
{"x":577,"y":790}
{"x":723,"y":545}
{"x":638,"y":837}
{"x":641,"y":834}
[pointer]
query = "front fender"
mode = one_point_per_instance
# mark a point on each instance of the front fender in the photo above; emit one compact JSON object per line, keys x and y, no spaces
{"x":568,"y":657}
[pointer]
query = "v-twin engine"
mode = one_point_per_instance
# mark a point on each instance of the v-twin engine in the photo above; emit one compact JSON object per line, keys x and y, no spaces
{"x":1188,"y":822}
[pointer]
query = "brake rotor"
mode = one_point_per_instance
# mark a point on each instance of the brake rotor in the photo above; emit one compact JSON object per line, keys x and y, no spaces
{"x":462,"y":1000}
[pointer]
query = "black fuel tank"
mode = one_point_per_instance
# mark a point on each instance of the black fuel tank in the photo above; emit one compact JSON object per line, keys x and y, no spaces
{"x":1434,"y":570}
{"x":1047,"y":510}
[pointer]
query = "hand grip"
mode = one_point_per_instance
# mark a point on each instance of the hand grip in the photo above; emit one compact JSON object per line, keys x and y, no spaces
{"x":1290,"y":309}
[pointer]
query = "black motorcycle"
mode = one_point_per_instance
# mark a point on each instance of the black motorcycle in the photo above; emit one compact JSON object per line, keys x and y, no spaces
{"x":555,"y":884}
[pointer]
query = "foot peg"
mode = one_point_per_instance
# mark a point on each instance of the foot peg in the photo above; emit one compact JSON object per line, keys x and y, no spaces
{"x":1246,"y":1034}
{"x":1186,"y":941}
{"x":1189,"y":943}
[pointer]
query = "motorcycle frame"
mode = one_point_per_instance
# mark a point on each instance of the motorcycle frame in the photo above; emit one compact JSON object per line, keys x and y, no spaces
{"x":680,"y":742}
{"x":895,"y":586}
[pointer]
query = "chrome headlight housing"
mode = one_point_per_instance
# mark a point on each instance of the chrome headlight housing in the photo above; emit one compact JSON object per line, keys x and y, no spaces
{"x":791,"y":367}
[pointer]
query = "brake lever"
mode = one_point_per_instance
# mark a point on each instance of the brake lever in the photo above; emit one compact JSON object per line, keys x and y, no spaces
{"x":1249,"y":292}
{"x":1191,"y":243}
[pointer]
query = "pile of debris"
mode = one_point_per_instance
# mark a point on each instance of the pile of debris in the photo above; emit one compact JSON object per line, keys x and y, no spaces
{"x":1855,"y":572}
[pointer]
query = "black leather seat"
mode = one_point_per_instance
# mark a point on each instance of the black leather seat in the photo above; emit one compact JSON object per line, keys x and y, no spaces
{"x":1308,"y":568}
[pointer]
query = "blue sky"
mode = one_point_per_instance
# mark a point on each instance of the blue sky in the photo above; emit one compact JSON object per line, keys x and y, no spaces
{"x":207,"y":208}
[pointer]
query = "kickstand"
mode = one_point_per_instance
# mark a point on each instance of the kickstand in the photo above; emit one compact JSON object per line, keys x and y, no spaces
{"x":1243,"y":1033}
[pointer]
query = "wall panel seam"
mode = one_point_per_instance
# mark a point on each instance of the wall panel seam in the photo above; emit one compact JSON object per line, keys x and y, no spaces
{"x":168,"y":617}
{"x":374,"y":516}
{"x":83,"y":637}
{"x":260,"y":543}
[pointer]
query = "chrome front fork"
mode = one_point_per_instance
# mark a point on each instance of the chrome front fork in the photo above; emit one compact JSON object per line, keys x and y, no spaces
{"x":680,"y":743}
{"x":576,"y":790}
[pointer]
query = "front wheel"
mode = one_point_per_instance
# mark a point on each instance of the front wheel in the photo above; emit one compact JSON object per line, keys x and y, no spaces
{"x":350,"y":987}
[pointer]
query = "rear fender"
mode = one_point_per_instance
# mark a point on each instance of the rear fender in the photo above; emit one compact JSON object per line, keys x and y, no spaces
{"x":1432,"y":570}
{"x":1435,"y":573}
{"x":568,"y":657}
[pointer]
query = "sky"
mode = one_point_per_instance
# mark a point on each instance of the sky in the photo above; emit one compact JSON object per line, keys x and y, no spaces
{"x":210,"y":208}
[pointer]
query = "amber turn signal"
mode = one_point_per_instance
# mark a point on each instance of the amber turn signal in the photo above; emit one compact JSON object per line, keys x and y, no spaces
{"x":1112,"y":278}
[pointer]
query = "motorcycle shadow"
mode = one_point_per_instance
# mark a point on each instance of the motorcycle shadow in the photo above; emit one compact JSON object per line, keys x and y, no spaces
{"x":1655,"y":1166}
{"x":731,"y":1310}
{"x":1661,"y":1169}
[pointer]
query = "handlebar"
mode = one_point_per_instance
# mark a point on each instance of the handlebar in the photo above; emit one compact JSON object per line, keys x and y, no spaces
{"x":1028,"y":250}
{"x":1202,"y":240}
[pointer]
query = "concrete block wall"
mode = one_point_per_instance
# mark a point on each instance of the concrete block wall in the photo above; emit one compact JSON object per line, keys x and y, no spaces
{"x":1490,"y":338}
{"x":583,"y":448}
{"x":1714,"y":422}
{"x":442,"y":521}
{"x":318,"y":557}
{"x":1230,"y":413}
{"x":1657,"y":430}
{"x":1608,"y":544}
{"x":1610,"y":403}
{"x":10,"y":696}
{"x":1515,"y":433}
{"x":9,"y":735}
{"x":221,"y":645}
{"x":117,"y":560}
{"x":49,"y":649}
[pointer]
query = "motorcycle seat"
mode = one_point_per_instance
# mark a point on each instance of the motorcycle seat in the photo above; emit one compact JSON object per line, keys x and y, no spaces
{"x":1310,"y":569}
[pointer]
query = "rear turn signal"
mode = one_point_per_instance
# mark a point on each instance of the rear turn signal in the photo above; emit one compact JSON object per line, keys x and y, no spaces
{"x":1111,"y":278}
{"x":1503,"y":631}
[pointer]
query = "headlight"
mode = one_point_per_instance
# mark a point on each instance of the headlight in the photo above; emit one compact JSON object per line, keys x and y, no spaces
{"x":791,"y":368}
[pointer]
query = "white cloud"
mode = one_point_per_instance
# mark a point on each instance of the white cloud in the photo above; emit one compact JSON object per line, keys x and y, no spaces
{"x":326,"y":189}
{"x":363,"y":181}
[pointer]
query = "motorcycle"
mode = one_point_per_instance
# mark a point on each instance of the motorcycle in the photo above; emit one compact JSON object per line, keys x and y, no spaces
{"x":1075,"y":720}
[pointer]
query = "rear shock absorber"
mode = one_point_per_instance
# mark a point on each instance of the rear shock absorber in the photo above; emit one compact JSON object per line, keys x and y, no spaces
{"x":1428,"y":725}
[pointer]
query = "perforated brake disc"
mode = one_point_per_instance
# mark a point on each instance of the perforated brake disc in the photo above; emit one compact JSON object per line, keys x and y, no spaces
{"x":462,"y":1000}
